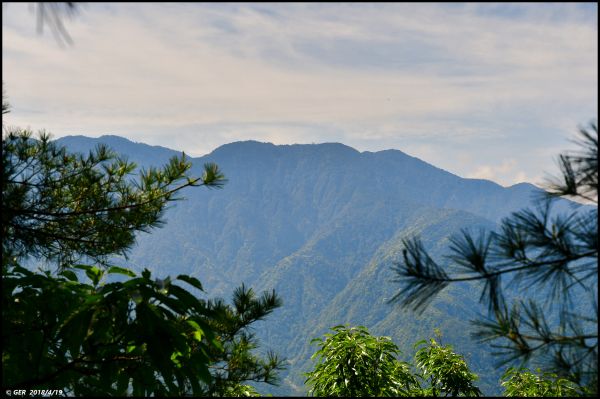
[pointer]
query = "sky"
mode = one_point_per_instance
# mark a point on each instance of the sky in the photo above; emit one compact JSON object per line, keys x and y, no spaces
{"x":492,"y":91}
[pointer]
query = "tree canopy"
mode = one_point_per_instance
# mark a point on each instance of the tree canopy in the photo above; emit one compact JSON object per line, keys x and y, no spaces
{"x":523,"y":382}
{"x":353,"y":363}
{"x":446,"y":372}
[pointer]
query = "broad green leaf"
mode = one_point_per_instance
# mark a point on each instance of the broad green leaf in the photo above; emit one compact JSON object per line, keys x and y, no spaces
{"x":191,"y":280}
{"x":121,"y":270}
{"x":69,"y":274}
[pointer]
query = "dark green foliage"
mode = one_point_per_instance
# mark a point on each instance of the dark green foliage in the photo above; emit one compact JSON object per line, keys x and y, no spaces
{"x":76,"y":330}
{"x":142,"y":336}
{"x":136,"y":337}
{"x":235,"y":362}
{"x":429,"y":279}
{"x":353,"y":363}
{"x":241,"y":391}
{"x":579,"y":170}
{"x":446,"y":372}
{"x":522,"y":382}
{"x":552,"y":258}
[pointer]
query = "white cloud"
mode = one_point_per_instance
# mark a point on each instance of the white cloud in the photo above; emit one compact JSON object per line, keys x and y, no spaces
{"x":370,"y":75}
{"x":506,"y":173}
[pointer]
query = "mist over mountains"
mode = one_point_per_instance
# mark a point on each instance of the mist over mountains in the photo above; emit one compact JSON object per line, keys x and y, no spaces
{"x":322,"y":224}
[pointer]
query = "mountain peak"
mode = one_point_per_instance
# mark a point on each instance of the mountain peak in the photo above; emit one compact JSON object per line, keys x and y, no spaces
{"x":244,"y":144}
{"x":118,"y":143}
{"x":259,"y":148}
{"x":142,"y":154}
{"x":256,"y":144}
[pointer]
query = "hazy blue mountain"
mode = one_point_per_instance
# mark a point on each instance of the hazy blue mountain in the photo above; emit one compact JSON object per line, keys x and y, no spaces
{"x":140,"y":153}
{"x":322,"y":225}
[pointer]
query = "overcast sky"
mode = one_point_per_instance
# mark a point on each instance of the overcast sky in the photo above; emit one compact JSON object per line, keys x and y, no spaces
{"x":483,"y":90}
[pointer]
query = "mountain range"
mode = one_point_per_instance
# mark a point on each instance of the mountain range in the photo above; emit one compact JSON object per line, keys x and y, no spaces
{"x":323,"y":224}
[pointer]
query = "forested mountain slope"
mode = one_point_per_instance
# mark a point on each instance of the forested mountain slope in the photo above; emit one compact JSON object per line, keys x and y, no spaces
{"x":322,"y":224}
